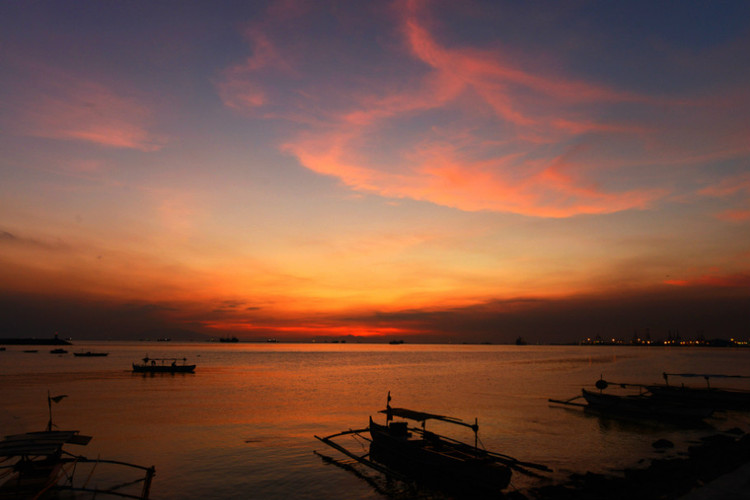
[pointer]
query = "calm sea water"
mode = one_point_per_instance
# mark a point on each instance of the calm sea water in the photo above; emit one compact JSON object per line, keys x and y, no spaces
{"x":243,"y":425}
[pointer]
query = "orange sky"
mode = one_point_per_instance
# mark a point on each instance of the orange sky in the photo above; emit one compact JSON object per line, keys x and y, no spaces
{"x":407,"y":169}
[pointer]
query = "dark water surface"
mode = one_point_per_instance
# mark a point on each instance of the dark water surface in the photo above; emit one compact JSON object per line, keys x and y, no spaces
{"x":242,"y":426}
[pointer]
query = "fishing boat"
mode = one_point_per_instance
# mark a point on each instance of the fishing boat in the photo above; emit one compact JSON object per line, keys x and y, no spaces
{"x":58,"y":351}
{"x":642,"y":405}
{"x":163,"y":365}
{"x":90,"y":354}
{"x":413,"y":453}
{"x":705,"y":397}
{"x":37,"y":466}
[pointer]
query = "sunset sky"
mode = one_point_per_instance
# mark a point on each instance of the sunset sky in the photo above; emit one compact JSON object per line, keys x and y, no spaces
{"x":435,"y":170}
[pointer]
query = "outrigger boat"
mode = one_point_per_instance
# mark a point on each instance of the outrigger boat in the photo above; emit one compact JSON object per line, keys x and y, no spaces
{"x":416,"y":454}
{"x":163,"y":365}
{"x":708,"y":397}
{"x":90,"y":354}
{"x":43,"y":469}
{"x":643,"y":405}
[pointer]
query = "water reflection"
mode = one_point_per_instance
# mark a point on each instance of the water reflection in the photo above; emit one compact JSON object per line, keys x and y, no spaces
{"x":243,"y":424}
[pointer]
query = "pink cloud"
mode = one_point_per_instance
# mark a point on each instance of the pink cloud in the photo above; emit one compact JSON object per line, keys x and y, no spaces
{"x":61,"y":106}
{"x":729,"y":186}
{"x":472,"y":128}
{"x":239,"y":88}
{"x":738,"y":280}
{"x":731,"y":189}
{"x":734,"y":215}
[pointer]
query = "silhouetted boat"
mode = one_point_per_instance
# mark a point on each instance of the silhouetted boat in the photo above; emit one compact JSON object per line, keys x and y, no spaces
{"x":413,"y":453}
{"x":643,"y":405}
{"x":163,"y":365}
{"x":37,"y":467}
{"x":704,"y":397}
{"x":58,"y":351}
{"x":90,"y":354}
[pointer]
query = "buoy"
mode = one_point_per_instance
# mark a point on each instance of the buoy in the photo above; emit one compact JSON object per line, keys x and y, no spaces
{"x":601,"y":384}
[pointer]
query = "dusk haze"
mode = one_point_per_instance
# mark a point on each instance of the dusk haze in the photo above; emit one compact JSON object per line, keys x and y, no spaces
{"x":427,"y":171}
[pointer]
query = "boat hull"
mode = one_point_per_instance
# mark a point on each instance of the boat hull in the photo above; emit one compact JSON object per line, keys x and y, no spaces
{"x":431,"y":458}
{"x":718,"y":399}
{"x":643,"y":407}
{"x":163,"y":368}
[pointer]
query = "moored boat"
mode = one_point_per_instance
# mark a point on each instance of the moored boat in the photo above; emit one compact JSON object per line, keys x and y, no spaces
{"x":90,"y":354}
{"x":163,"y":365}
{"x":642,"y":406}
{"x":704,"y":397}
{"x":414,"y":453}
{"x":37,"y":466}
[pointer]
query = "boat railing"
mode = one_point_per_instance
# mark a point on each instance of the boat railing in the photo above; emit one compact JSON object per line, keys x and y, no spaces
{"x":79,"y":459}
{"x":706,"y":376}
{"x":162,"y":361}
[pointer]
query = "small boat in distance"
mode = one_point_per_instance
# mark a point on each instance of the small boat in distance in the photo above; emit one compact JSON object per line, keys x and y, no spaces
{"x":416,"y":454}
{"x":90,"y":354}
{"x":58,"y":351}
{"x":163,"y":365}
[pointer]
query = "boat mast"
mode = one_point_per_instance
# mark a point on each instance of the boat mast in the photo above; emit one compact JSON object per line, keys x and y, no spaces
{"x":475,"y":428}
{"x":388,"y":414}
{"x":50,"y":399}
{"x":49,"y":405}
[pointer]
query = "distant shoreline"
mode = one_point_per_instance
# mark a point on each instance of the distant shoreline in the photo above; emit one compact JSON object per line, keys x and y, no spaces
{"x":33,"y":341}
{"x":716,"y":343}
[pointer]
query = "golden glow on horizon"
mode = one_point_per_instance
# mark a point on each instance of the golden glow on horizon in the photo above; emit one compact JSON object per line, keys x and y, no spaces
{"x":394,"y":165}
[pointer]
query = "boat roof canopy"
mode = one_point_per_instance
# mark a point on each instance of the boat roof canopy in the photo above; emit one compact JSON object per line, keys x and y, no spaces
{"x":421,"y":416}
{"x":147,"y":359}
{"x":704,"y":375}
{"x":39,"y":443}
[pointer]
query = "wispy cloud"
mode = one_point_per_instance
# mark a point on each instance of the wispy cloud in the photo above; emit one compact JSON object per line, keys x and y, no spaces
{"x":13,"y":239}
{"x":734,"y":189}
{"x":63,"y":106}
{"x":465,"y":126}
{"x":738,"y":280}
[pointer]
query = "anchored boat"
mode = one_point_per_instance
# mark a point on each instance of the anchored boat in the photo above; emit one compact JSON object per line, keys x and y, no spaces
{"x":38,"y":466}
{"x":706,"y":397}
{"x":163,"y":365}
{"x":642,"y":405}
{"x":414,"y":453}
{"x":90,"y":354}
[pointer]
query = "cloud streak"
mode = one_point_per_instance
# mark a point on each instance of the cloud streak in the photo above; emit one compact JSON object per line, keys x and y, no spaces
{"x":470,"y":128}
{"x":73,"y":108}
